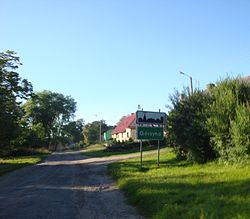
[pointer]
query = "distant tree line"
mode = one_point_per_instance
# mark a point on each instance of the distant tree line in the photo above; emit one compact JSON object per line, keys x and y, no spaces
{"x":32,"y":120}
{"x":211,"y":124}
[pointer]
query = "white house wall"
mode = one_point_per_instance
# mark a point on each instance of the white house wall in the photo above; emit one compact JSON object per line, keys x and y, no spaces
{"x":125,"y":136}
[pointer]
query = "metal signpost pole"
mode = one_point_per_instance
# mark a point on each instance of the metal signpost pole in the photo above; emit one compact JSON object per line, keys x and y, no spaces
{"x":158,"y":154}
{"x":141,"y":152}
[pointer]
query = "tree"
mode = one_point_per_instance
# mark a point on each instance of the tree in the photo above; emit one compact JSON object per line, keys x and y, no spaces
{"x":12,"y":90}
{"x":74,"y":130}
{"x":91,"y":131}
{"x":53,"y":111}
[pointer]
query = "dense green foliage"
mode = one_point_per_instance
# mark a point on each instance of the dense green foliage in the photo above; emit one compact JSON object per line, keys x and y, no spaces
{"x":51,"y":112}
{"x":44,"y":119}
{"x":92,"y":131}
{"x":240,"y":134}
{"x":181,"y":189}
{"x":211,"y":123}
{"x":227,"y":122}
{"x":74,"y":131}
{"x":12,"y":89}
{"x":186,"y":126}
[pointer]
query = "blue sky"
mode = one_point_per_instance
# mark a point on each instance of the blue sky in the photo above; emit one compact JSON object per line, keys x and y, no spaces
{"x":111,"y":55}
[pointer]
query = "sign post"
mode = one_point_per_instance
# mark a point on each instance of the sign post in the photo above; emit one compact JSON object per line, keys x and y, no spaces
{"x":150,"y":118}
{"x":149,"y":126}
{"x":141,"y":152}
{"x":158,"y":155}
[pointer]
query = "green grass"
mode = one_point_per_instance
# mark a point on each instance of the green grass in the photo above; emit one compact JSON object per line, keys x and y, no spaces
{"x":98,"y":150}
{"x":184,"y":190}
{"x":8,"y":164}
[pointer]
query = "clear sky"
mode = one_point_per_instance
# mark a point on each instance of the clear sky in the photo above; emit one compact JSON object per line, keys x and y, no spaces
{"x":111,"y":55}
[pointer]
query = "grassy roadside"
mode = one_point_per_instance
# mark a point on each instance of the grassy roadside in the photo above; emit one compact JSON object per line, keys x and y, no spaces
{"x":98,"y":150}
{"x":184,"y":190}
{"x":8,"y":164}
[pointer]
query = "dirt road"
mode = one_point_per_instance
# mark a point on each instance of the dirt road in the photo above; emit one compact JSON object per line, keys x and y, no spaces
{"x":66,"y":185}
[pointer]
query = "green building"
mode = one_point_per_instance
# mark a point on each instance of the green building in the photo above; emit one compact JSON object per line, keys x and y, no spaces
{"x":107,"y":136}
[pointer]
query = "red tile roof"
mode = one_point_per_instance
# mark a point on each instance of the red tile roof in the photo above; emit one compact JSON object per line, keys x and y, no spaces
{"x":125,"y":123}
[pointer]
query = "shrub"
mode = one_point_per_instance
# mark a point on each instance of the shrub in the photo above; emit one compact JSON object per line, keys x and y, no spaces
{"x":24,"y":151}
{"x":211,"y":123}
{"x":186,"y":127}
{"x":226,"y":113}
{"x":240,"y":134}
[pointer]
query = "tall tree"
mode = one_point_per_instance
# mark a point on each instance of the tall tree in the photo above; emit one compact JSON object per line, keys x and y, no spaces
{"x":12,"y":90}
{"x":74,"y":130}
{"x":92,"y":130}
{"x":52,"y":110}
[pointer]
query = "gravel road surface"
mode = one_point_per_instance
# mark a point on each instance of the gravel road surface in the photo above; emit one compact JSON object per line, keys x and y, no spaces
{"x":66,"y":185}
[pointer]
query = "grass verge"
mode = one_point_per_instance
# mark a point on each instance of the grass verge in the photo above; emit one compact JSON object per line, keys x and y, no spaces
{"x":184,"y":190}
{"x":98,"y":150}
{"x":8,"y":164}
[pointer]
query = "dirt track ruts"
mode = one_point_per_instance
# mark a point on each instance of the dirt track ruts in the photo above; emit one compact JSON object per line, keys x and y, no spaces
{"x":66,"y":185}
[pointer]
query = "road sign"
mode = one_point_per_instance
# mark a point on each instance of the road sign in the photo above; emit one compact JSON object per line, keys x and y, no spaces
{"x":147,"y":117}
{"x":149,"y":133}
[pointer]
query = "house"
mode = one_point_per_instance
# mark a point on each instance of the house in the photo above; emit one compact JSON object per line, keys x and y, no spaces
{"x":125,"y":130}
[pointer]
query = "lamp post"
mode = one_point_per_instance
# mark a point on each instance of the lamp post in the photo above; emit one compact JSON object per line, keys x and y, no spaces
{"x":191,"y":81}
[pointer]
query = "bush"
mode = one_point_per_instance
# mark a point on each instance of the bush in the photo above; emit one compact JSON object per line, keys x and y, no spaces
{"x":226,"y":115}
{"x":212,"y":123}
{"x":240,"y":134}
{"x":27,"y":151}
{"x":186,"y":127}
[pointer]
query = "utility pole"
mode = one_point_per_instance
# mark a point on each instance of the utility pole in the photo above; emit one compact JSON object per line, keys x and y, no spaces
{"x":100,"y":128}
{"x":100,"y":131}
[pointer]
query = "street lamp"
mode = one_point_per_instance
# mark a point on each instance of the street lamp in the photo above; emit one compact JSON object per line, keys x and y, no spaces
{"x":191,"y":81}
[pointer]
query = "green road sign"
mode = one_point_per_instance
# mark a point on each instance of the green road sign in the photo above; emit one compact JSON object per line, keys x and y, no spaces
{"x":149,"y":133}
